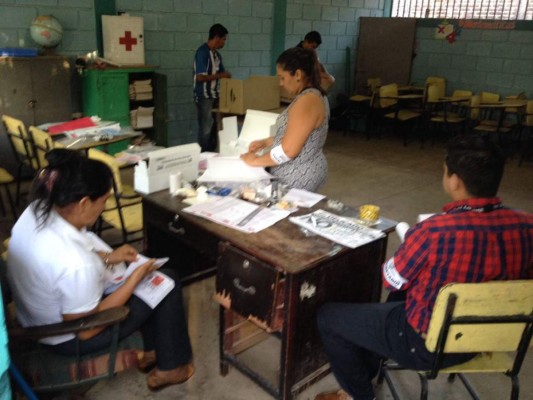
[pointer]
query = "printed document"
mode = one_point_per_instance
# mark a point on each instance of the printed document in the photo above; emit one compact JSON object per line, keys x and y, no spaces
{"x":231,"y":212}
{"x":336,"y":228}
{"x":152,"y":289}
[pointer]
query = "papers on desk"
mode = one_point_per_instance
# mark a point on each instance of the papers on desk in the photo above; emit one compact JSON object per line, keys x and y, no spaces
{"x":302,"y":198}
{"x":336,"y":228}
{"x":230,"y":212}
{"x":232,"y":169}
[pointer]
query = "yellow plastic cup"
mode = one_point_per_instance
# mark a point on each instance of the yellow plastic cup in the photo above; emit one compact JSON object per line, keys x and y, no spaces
{"x":368,"y":214}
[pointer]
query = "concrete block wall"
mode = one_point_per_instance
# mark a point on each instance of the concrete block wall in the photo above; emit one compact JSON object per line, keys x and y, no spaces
{"x":175,"y":29}
{"x":338,"y":24}
{"x":76,"y":18}
{"x":499,"y":61}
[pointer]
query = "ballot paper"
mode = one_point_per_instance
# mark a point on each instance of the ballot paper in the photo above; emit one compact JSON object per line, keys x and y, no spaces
{"x":152,"y":289}
{"x":232,"y":169}
{"x":302,"y":198}
{"x":231,"y":212}
{"x":338,"y":229}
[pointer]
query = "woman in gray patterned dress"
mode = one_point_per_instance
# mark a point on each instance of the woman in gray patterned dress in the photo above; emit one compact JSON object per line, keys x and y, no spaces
{"x":295,"y":154}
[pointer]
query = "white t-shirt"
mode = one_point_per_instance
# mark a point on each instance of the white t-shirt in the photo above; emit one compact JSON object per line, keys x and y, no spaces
{"x":53,"y":270}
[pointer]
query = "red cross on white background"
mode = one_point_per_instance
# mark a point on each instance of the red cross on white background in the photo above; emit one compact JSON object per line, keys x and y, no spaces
{"x":128,"y":40}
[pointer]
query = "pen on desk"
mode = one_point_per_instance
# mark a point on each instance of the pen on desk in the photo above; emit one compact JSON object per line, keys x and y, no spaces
{"x":74,"y":142}
{"x":249,"y":217}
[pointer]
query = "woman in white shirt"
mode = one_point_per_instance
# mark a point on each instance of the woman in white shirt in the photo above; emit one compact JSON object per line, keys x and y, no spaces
{"x":57,"y":270}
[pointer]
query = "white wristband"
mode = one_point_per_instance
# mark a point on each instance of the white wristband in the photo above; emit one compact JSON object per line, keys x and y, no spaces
{"x":278,"y":155}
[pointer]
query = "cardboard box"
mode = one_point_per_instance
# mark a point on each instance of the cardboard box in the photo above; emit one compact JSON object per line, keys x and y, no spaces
{"x":257,"y":93}
{"x":154,"y":176}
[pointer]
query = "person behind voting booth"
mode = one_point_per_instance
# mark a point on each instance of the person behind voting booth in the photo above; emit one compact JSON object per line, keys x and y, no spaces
{"x":475,"y":239}
{"x":296,"y":155}
{"x":312,"y":40}
{"x":208,"y":69}
{"x":57,"y":270}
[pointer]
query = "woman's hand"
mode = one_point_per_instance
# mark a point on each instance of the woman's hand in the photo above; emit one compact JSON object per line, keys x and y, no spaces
{"x":125,"y":253}
{"x":249,"y":158}
{"x":257,"y":145}
{"x":141,"y":272}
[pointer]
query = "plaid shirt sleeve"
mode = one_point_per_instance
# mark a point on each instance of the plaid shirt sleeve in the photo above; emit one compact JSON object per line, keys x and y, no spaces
{"x":407,"y":262}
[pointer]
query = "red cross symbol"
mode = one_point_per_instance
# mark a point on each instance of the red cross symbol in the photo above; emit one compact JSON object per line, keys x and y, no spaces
{"x":127,"y":40}
{"x":440,"y":27}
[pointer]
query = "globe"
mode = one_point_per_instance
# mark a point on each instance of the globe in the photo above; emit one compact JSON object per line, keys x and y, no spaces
{"x":46,"y":31}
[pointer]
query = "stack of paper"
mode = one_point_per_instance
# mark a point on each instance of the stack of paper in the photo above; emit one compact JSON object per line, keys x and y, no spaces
{"x":141,"y":90}
{"x":142,"y":117}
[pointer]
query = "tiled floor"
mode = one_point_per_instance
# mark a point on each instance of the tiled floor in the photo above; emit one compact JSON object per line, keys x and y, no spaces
{"x":404,"y":182}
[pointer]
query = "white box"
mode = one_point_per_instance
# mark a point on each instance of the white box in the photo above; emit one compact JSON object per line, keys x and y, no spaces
{"x":123,"y":39}
{"x":154,"y":176}
{"x":257,"y":125}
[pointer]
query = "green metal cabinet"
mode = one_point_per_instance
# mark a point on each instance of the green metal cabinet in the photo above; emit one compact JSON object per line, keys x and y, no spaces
{"x":106,"y":94}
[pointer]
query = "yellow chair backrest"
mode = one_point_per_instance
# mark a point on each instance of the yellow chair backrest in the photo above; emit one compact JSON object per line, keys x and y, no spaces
{"x":487,"y":97}
{"x":390,"y":90}
{"x":439,"y":82}
{"x":475,"y":101}
{"x":43,"y":143}
{"x":19,"y":137}
{"x":486,"y":299}
{"x":373,"y":84}
{"x":529,"y":113}
{"x":434,"y":92}
{"x":112,"y":163}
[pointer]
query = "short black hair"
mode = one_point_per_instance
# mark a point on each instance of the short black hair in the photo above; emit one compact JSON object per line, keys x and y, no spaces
{"x":478,"y":162}
{"x":217,"y":30}
{"x":314,"y":37}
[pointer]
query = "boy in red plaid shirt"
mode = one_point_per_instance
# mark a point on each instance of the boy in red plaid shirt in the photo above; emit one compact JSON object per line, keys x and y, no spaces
{"x":475,"y":239}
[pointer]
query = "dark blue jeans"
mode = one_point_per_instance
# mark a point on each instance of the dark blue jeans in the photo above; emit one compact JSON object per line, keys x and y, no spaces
{"x":207,"y":133}
{"x":164,"y":330}
{"x":357,"y":336}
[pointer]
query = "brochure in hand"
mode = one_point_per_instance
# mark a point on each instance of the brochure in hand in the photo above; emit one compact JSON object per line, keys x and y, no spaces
{"x":336,"y":228}
{"x":152,"y":289}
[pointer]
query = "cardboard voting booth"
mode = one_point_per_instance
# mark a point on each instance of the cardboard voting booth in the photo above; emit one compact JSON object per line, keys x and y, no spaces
{"x":257,"y":125}
{"x":257,"y":93}
{"x":153,"y":175}
{"x":123,"y":39}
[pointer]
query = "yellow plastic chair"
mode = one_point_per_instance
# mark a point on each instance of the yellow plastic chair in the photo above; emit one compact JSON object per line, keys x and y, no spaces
{"x":22,"y":148}
{"x":440,"y":84}
{"x":42,"y":144}
{"x":392,"y":108}
{"x":494,"y":319}
{"x":124,"y":207}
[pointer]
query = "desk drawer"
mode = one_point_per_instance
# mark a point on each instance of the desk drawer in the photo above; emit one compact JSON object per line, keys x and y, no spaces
{"x":250,"y":287}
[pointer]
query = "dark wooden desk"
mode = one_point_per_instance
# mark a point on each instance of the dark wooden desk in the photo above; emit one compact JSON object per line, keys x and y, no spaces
{"x":277,"y":279}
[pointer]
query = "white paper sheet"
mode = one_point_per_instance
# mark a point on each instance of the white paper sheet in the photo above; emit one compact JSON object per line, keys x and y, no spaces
{"x":229,"y":211}
{"x":232,"y":169}
{"x":303,"y":198}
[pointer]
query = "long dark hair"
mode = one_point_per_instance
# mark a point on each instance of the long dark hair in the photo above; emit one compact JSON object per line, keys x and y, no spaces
{"x":68,"y":178}
{"x":303,"y":59}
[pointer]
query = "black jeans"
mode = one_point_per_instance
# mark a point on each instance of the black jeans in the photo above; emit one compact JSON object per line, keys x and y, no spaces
{"x":357,"y":336}
{"x":164,"y":330}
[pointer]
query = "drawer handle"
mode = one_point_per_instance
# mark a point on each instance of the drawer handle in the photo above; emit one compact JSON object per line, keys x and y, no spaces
{"x":179,"y":231}
{"x":248,"y":290}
